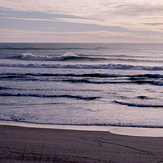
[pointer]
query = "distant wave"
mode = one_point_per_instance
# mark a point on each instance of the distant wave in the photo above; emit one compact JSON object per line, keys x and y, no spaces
{"x":93,"y":75}
{"x":138,"y":105}
{"x":94,"y":78}
{"x":150,"y":76}
{"x":30,"y":56}
{"x":21,"y":48}
{"x":153,"y":79}
{"x":94,"y":82}
{"x":50,"y":48}
{"x":113,"y":82}
{"x":49,"y":96}
{"x":5,"y":88}
{"x":68,"y":56}
{"x":82,"y":66}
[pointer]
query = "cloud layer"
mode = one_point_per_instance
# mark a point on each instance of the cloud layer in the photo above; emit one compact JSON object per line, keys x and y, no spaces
{"x":139,"y":18}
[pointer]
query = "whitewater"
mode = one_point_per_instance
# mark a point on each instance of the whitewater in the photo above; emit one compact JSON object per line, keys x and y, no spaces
{"x":82,"y":84}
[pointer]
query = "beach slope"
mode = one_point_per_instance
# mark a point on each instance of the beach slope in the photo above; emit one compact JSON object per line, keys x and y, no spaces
{"x":21,"y":144}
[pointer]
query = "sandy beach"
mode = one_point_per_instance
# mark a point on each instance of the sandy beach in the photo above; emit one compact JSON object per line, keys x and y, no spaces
{"x":22,"y":144}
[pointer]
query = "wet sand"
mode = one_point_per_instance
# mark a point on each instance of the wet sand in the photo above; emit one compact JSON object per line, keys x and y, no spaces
{"x":22,"y":144}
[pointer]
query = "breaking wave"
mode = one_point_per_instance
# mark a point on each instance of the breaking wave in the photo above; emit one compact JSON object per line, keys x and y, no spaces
{"x":82,"y":66}
{"x":68,"y":56}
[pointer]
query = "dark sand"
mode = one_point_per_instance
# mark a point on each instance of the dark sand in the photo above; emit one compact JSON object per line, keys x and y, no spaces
{"x":21,"y":144}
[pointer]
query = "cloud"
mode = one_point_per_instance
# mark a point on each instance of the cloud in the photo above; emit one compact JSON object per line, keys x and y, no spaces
{"x":31,"y":19}
{"x":87,"y":8}
{"x":154,"y":24}
{"x":4,"y":14}
{"x":117,"y":12}
{"x":139,"y":9}
{"x":129,"y":17}
{"x":7,"y":35}
{"x":62,"y":24}
{"x":44,"y":36}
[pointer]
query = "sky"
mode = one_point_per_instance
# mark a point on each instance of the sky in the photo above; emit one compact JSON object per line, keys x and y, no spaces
{"x":81,"y":21}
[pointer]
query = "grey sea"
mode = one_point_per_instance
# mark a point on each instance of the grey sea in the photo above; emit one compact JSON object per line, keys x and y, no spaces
{"x":82,"y":84}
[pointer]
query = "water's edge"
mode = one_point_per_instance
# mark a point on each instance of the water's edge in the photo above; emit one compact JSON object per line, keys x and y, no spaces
{"x":128,"y":131}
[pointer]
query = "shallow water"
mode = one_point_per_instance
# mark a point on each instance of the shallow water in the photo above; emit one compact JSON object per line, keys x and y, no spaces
{"x":82,"y":84}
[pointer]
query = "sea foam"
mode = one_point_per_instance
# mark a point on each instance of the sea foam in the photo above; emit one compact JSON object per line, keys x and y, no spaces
{"x":80,"y":66}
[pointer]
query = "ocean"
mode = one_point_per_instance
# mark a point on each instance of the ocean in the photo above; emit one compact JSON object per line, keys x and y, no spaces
{"x":82,"y":84}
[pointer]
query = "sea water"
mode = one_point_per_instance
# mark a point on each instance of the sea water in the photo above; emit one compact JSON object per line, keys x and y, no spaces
{"x":82,"y":84}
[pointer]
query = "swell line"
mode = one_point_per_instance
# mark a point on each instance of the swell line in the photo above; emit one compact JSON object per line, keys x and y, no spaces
{"x":49,"y":96}
{"x":138,"y":105}
{"x":94,"y":78}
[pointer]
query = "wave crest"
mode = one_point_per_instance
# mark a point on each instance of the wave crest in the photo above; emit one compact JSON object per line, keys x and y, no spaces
{"x":83,"y":66}
{"x":30,"y":56}
{"x":68,"y":56}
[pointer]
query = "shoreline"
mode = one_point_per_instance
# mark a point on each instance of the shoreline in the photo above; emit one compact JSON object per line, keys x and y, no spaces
{"x":28,"y":145}
{"x":127,"y":131}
